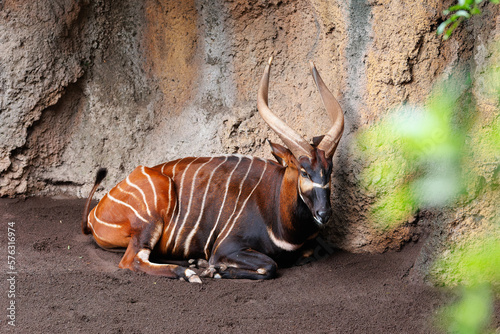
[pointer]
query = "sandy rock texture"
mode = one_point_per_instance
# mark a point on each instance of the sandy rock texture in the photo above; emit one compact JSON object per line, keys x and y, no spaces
{"x":111,"y":83}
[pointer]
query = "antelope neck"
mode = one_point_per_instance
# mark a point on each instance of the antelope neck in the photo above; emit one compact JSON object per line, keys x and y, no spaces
{"x":295,"y":224}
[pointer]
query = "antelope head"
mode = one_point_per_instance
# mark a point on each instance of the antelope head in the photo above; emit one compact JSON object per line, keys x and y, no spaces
{"x":311,"y":165}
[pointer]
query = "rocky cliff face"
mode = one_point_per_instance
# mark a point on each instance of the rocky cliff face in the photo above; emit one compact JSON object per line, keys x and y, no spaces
{"x":114,"y":83}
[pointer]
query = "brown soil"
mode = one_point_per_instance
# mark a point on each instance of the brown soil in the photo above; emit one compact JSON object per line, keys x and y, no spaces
{"x":65,"y":283}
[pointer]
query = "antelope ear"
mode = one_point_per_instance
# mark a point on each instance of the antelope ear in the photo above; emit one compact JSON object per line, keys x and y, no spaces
{"x":282,"y":154}
{"x":317,"y":140}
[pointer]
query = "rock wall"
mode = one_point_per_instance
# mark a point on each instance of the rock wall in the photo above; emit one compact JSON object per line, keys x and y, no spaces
{"x":115,"y":83}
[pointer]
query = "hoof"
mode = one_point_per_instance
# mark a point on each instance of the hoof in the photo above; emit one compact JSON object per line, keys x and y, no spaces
{"x":194,"y":279}
{"x":191,"y":276}
{"x":209,"y":272}
{"x":202,"y":263}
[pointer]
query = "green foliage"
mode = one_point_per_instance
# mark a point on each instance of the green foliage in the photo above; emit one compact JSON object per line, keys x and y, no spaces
{"x":472,"y":264}
{"x":445,"y":155}
{"x":476,"y":267}
{"x":434,"y":156}
{"x":414,"y":158}
{"x":463,"y":10}
{"x":471,"y":314}
{"x":483,"y":163}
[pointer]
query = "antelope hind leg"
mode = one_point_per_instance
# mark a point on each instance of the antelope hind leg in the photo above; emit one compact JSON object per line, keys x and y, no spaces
{"x":137,"y":255}
{"x":142,"y":263}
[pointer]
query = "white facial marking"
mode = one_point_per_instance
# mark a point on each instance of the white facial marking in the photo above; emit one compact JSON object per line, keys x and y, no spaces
{"x":322,"y":186}
{"x":317,"y":221}
{"x":307,"y":185}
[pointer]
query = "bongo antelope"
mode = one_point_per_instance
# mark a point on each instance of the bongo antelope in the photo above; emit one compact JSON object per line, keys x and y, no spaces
{"x":233,"y":213}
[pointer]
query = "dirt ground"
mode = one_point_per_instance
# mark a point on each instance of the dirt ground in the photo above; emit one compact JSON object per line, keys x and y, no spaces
{"x":65,"y":283}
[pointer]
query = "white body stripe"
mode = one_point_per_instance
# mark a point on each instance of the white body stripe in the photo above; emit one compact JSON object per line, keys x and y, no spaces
{"x":172,"y":216}
{"x":187,"y":243}
{"x":173,"y":167}
{"x":144,"y":199}
{"x":156,"y":235}
{"x":179,"y":196}
{"x":190,"y":201}
{"x":128,"y":192}
{"x":170,"y":197}
{"x":103,"y":222}
{"x":221,"y":207}
{"x":240,"y":189}
{"x":143,"y":170}
{"x":245,"y":202}
{"x":96,"y":235}
{"x":128,"y":206}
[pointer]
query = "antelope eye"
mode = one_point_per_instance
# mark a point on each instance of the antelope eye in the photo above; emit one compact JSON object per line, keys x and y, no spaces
{"x":304,"y":173}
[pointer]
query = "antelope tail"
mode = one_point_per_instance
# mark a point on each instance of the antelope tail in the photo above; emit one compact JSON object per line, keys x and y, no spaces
{"x":100,"y":175}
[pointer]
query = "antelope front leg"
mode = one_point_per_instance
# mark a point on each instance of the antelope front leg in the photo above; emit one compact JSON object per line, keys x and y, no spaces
{"x":247,"y":263}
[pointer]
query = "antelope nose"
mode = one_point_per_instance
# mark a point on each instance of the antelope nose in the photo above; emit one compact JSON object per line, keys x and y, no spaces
{"x":323,"y":215}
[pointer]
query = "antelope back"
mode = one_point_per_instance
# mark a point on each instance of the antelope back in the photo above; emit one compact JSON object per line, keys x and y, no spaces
{"x":213,"y":195}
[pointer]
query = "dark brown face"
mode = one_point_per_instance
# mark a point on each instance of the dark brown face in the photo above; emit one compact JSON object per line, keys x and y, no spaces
{"x":314,"y":185}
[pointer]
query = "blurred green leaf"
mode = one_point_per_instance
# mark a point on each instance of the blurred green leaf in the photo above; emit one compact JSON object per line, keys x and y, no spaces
{"x":472,"y":263}
{"x":475,"y":11}
{"x":463,"y":10}
{"x":475,"y":266}
{"x":462,"y":13}
{"x":436,"y":190}
{"x":471,"y":314}
{"x":446,"y":154}
{"x":414,"y":157}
